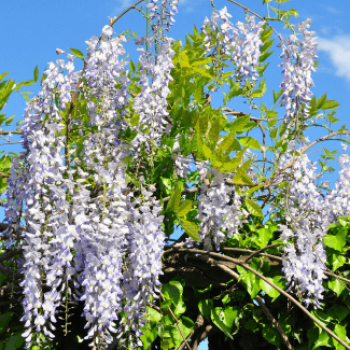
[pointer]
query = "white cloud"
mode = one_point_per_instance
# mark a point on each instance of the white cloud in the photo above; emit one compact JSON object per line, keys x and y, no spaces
{"x":338,"y":49}
{"x":188,"y":5}
{"x":332,"y":10}
{"x":121,"y":5}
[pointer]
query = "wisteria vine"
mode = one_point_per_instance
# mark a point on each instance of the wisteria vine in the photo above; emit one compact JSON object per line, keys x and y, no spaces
{"x":92,"y":235}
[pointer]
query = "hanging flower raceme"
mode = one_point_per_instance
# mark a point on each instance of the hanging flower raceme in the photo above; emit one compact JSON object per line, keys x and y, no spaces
{"x":298,"y":62}
{"x":104,"y":227}
{"x":308,"y":215}
{"x":242,"y":43}
{"x":141,"y":277}
{"x":219,"y":211}
{"x":151,"y":103}
{"x":303,"y":261}
{"x":45,"y":258}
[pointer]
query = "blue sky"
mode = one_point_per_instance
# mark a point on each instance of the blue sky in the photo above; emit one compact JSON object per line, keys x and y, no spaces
{"x":30,"y":32}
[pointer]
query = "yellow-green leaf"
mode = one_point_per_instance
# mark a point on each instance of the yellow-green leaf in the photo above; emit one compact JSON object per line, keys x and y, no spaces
{"x":200,"y":61}
{"x":134,"y":120}
{"x":203,"y":124}
{"x":254,"y":208}
{"x":184,"y":207}
{"x":206,"y":151}
{"x":203,"y":72}
{"x":241,"y":174}
{"x":250,"y":142}
{"x":184,"y":61}
{"x":228,"y":141}
{"x":174,"y":200}
{"x":254,"y":189}
{"x":36,"y":73}
{"x":77,"y":53}
{"x":191,"y":229}
{"x":214,"y":130}
{"x":231,"y":166}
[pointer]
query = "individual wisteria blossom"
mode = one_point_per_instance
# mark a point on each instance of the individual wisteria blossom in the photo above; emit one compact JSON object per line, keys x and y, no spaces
{"x":298,"y":63}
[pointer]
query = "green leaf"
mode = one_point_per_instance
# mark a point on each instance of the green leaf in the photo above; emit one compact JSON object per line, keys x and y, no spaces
{"x":165,"y":344}
{"x":336,"y":286}
{"x":254,"y":208}
{"x":203,"y":124}
{"x":184,"y":61}
{"x":201,"y":61}
{"x":5,"y":319}
{"x":150,"y":333}
{"x":268,"y":289}
{"x":271,"y":335}
{"x":185,"y":207}
{"x":186,"y":325}
{"x":77,"y":53}
{"x":340,"y":311}
{"x":250,"y":280}
{"x":173,"y":290}
{"x":153,"y":315}
{"x":265,"y":35}
{"x":249,"y":142}
{"x":321,"y":101}
{"x":3,"y":75}
{"x":15,"y":341}
{"x":174,"y":200}
{"x":224,"y":319}
{"x":338,"y":241}
{"x":330,"y":104}
{"x":239,"y":123}
{"x":206,"y":151}
{"x":134,"y":120}
{"x":340,"y":331}
{"x":228,"y":141}
{"x":214,"y":130}
{"x":260,"y":91}
{"x":337,"y":261}
{"x":276,"y":96}
{"x":36,"y":73}
{"x":205,"y":306}
{"x":264,"y":236}
{"x":266,"y":45}
{"x":165,"y":305}
{"x":241,"y":174}
{"x":132,"y":66}
{"x":273,"y":133}
{"x":191,"y":229}
{"x":231,"y":166}
{"x":323,"y":340}
{"x":254,"y":189}
{"x":202,"y":72}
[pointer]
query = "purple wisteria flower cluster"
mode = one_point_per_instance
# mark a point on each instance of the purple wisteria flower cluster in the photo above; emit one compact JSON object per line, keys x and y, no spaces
{"x":308,"y":214}
{"x":242,"y":43}
{"x":219,"y":210}
{"x":298,"y":64}
{"x":100,"y":246}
